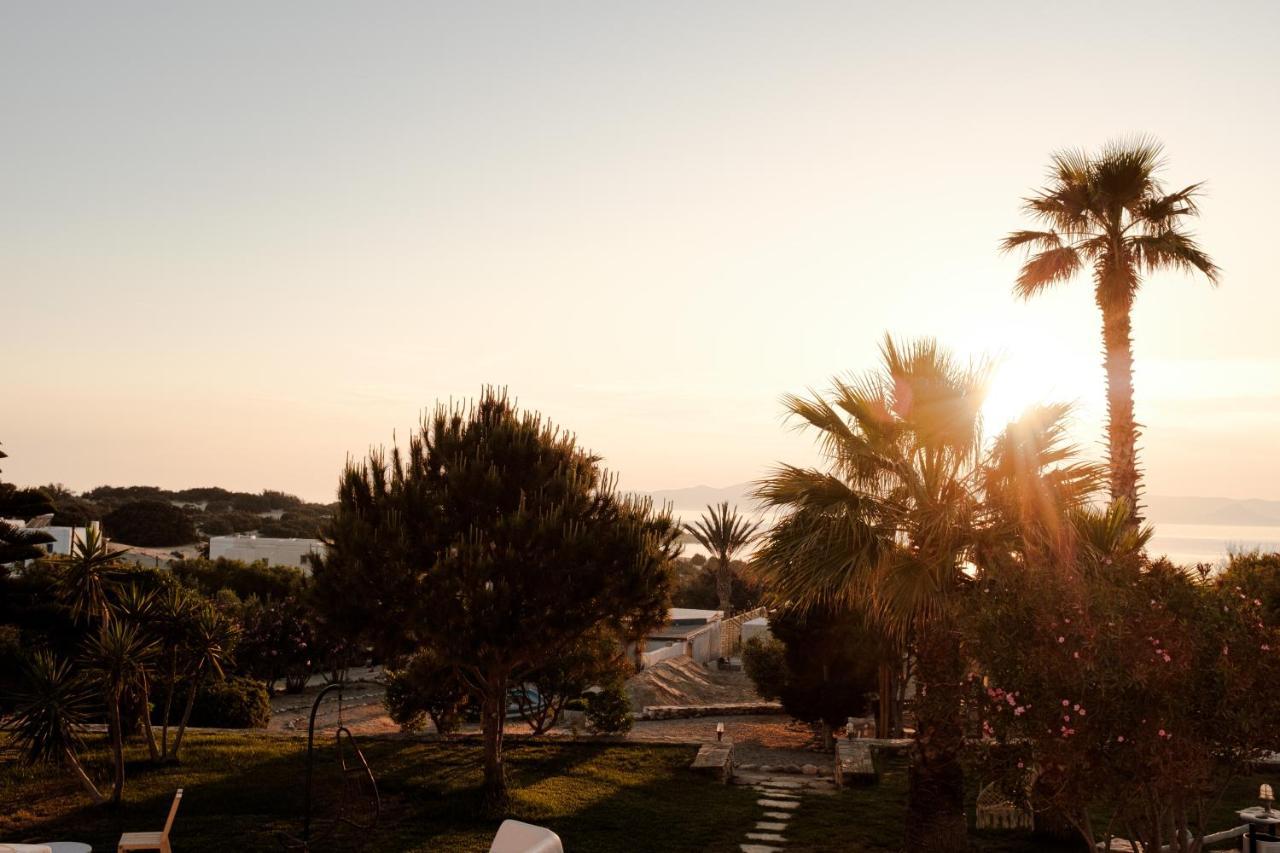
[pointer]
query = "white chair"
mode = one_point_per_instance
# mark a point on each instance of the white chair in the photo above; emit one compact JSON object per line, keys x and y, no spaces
{"x":25,"y":848}
{"x":152,"y":840}
{"x":516,"y":837}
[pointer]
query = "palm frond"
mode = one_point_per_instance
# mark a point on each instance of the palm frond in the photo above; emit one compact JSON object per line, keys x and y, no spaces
{"x":1045,"y":269}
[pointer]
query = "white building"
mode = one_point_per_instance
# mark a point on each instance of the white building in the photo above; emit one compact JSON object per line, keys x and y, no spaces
{"x":277,"y":552}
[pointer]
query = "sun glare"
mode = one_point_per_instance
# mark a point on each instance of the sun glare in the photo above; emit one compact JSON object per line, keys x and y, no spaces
{"x":1019,"y":383}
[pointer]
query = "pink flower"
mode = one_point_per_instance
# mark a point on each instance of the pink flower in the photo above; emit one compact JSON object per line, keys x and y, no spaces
{"x":1161,"y":733}
{"x":1062,"y":639}
{"x":1120,"y":739}
{"x":1065,"y":703}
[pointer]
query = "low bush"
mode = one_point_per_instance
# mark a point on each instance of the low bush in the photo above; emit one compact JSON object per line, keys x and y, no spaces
{"x":234,"y":703}
{"x":609,"y":709}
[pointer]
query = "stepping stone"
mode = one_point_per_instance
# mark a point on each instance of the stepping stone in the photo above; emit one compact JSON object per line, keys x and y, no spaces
{"x":778,"y":815}
{"x":784,"y":783}
{"x":770,"y":826}
{"x":777,"y":804}
{"x":781,"y":795}
{"x":765,"y":836}
{"x":759,"y":848}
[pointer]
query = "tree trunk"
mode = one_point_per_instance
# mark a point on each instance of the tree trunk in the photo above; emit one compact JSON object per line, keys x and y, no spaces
{"x":1122,"y":427}
{"x":935,"y":798}
{"x":724,"y":584}
{"x":168,"y":704}
{"x":78,"y":769}
{"x":496,"y":799}
{"x":186,"y":713}
{"x":152,"y":749}
{"x":117,"y":750}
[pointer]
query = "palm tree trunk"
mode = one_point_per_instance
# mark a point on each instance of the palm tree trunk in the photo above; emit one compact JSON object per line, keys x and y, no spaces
{"x":495,"y":777}
{"x":1122,"y":427}
{"x":724,"y":584}
{"x":117,"y":749}
{"x":168,"y":704}
{"x":186,"y":713}
{"x":78,"y":769}
{"x":146,"y":721}
{"x":935,"y":798}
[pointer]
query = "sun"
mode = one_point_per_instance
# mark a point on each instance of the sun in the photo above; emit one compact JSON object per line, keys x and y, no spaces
{"x":1018,"y":383}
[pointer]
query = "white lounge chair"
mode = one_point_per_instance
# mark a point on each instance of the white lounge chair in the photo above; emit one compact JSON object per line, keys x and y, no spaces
{"x":152,"y":840}
{"x":516,"y":837}
{"x":25,"y":848}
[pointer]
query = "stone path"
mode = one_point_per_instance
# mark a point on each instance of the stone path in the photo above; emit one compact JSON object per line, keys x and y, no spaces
{"x":778,"y":799}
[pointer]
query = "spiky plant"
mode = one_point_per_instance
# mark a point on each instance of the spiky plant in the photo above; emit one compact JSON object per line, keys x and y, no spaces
{"x":119,"y":656}
{"x":724,"y":533}
{"x":88,"y":576}
{"x":208,"y":647}
{"x":1109,"y":213}
{"x":52,"y":707}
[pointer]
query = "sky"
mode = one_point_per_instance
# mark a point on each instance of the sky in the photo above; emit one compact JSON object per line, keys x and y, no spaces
{"x":240,"y":242}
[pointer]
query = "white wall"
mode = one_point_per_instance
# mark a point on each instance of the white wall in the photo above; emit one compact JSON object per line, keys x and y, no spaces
{"x":277,"y":552}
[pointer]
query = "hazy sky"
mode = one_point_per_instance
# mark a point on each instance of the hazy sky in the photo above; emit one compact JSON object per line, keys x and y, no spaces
{"x":239,"y":241}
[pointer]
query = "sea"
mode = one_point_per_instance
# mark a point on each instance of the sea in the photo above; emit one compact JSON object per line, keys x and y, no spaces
{"x":1185,"y":544}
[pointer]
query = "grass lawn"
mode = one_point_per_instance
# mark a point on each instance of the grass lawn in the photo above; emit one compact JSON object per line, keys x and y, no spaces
{"x":871,"y":818}
{"x":599,"y":797}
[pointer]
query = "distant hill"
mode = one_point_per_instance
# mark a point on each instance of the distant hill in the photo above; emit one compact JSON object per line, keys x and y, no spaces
{"x":1167,"y":509}
{"x":698,"y":497}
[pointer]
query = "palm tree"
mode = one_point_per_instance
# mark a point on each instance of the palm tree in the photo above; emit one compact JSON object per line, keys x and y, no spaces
{"x":137,"y":607}
{"x":1110,"y":213}
{"x":724,"y":533}
{"x":890,"y":527}
{"x":51,"y":709}
{"x":209,"y":647}
{"x":174,"y":609}
{"x":87,"y":577}
{"x":119,"y":655}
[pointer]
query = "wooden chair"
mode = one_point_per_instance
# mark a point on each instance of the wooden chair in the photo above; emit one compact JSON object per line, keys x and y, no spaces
{"x":152,"y":840}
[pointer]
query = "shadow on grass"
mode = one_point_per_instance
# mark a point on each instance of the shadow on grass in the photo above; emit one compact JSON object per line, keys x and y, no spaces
{"x":246,"y":788}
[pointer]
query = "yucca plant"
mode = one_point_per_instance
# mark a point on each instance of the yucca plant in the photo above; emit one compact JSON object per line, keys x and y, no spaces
{"x":52,"y":707}
{"x":118,"y":656}
{"x":87,"y":577}
{"x":208,"y":648}
{"x":724,"y":533}
{"x":137,"y":606}
{"x":1108,"y":213}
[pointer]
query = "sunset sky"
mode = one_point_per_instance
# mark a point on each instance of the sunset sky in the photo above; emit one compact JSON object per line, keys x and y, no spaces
{"x":241,"y":241}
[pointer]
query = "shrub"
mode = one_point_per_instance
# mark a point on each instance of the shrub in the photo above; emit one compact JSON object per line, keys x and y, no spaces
{"x":425,"y":687}
{"x":609,"y":709}
{"x":765,"y":662}
{"x":234,"y":703}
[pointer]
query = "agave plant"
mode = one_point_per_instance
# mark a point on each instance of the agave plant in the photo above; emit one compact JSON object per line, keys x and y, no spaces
{"x":724,"y":533}
{"x":52,"y":706}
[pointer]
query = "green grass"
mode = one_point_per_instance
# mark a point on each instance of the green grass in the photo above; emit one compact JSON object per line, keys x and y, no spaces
{"x":872,"y":818}
{"x":599,"y":797}
{"x":608,"y":798}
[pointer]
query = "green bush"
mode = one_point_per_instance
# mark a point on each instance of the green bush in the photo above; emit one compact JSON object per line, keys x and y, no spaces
{"x":609,"y":709}
{"x":765,"y":662}
{"x":234,"y":703}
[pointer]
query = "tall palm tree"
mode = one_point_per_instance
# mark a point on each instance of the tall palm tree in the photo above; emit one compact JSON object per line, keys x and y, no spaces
{"x":51,"y":709}
{"x":724,"y":533}
{"x":119,"y":656}
{"x":88,"y":576}
{"x":890,"y":527}
{"x":1110,"y":213}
